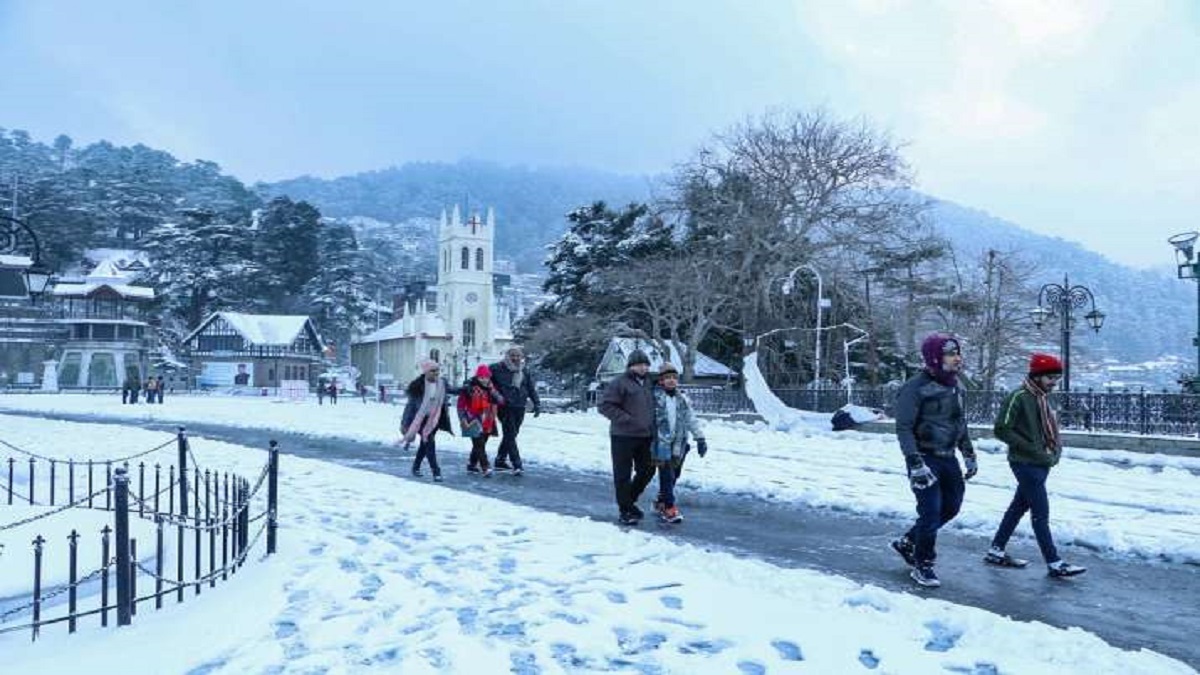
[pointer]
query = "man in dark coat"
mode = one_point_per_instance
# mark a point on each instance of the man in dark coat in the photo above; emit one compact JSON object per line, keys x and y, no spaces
{"x":930,"y":425}
{"x":516,"y":387}
{"x":628,"y":403}
{"x":1028,"y":426}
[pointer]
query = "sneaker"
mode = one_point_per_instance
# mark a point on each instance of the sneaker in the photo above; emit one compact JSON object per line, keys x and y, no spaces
{"x":416,"y":472}
{"x":659,"y":506}
{"x":518,"y":471}
{"x":925,"y":576}
{"x":437,"y":477}
{"x":636,"y":512}
{"x":501,"y":465}
{"x":472,"y":469}
{"x":907,"y":550}
{"x":487,"y":473}
{"x":629,"y":519}
{"x":671,"y":514}
{"x":997,"y":556}
{"x":1065,"y":569}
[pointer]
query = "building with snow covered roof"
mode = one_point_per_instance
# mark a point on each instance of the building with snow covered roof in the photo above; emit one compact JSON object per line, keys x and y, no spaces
{"x":707,"y":369}
{"x":468,"y":325}
{"x":258,"y":350}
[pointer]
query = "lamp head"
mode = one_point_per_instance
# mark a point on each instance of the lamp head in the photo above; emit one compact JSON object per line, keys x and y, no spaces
{"x":1095,"y":319}
{"x":1185,"y":253}
{"x":1039,"y":315}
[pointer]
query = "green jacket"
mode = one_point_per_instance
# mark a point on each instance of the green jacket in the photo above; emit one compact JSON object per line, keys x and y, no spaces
{"x":1019,"y":426}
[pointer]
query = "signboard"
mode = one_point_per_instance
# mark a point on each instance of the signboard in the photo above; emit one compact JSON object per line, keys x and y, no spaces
{"x":225,"y":374}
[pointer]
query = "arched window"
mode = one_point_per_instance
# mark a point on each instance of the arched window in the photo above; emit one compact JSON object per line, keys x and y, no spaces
{"x":479,"y":259}
{"x":468,"y":338}
{"x":435,"y":355}
{"x":446,"y":260}
{"x":466,"y":258}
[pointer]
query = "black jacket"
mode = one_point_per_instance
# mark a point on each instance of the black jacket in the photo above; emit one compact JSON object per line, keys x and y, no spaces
{"x":514,"y":397}
{"x":930,"y":419}
{"x":629,"y":405}
{"x":416,"y":393}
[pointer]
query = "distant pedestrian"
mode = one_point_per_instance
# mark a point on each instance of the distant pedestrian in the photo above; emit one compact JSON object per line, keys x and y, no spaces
{"x":322,"y":389}
{"x":931,"y":425}
{"x":477,"y":403}
{"x":333,"y":391}
{"x":426,"y":413}
{"x":131,"y":388}
{"x":362,"y":391}
{"x":1029,"y":427}
{"x":628,"y":403}
{"x":516,"y":385}
{"x":151,"y":389}
{"x":674,"y":420}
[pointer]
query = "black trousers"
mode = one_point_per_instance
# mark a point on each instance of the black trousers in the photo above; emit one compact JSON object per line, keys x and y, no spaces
{"x":631,"y":455}
{"x":479,"y":456}
{"x":510,"y":425}
{"x":428,"y":450}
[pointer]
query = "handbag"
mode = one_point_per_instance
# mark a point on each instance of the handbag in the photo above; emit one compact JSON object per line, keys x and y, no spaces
{"x":471,"y":428}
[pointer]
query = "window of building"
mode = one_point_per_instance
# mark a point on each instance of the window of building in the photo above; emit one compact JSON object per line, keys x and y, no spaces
{"x":102,"y":372}
{"x":468,"y":338}
{"x":479,"y":259}
{"x":466,"y":258}
{"x":435,"y":355}
{"x":69,"y":375}
{"x":103,"y":331}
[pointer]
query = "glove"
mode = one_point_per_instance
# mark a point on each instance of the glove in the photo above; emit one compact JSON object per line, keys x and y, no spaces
{"x":972,"y":465}
{"x":919,"y":475}
{"x":702,"y":446}
{"x":537,"y":411}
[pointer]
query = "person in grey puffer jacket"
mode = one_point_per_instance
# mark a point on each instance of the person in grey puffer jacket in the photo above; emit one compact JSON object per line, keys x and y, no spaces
{"x":674,"y":419}
{"x":628,"y":403}
{"x":930,"y":425}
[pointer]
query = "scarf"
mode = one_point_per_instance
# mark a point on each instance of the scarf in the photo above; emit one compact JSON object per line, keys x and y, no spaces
{"x":426,"y":420}
{"x":518,"y":374}
{"x":1049,"y":424}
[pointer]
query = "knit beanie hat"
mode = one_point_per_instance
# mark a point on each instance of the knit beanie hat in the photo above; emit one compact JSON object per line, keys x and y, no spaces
{"x":483,"y":371}
{"x":428,"y":365}
{"x":667,"y":367}
{"x":637,"y":356}
{"x":935,"y":346}
{"x":1044,"y":364}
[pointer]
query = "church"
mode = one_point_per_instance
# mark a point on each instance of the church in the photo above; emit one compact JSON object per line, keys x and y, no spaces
{"x":460,"y":324}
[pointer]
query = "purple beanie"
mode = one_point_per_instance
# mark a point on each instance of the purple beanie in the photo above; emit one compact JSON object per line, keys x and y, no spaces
{"x":932,"y":350}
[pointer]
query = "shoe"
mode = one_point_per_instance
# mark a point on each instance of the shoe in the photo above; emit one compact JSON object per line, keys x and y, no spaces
{"x":1064,"y":569}
{"x":501,"y":465}
{"x":437,"y":477}
{"x":907,"y":550}
{"x":628,"y":519}
{"x":925,"y":576}
{"x":416,"y":472}
{"x":997,"y":556}
{"x":671,"y":514}
{"x":518,"y":471}
{"x":472,"y":469}
{"x":659,"y":506}
{"x":487,"y":473}
{"x":636,"y":512}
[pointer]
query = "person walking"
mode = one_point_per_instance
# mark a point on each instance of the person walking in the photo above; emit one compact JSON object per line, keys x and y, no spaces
{"x":930,"y":426}
{"x":151,"y":389}
{"x":322,"y":389}
{"x":628,"y":403}
{"x":477,"y":403}
{"x":426,"y":413}
{"x":516,"y":386}
{"x":333,"y":391}
{"x":1028,"y":426}
{"x":674,"y":420}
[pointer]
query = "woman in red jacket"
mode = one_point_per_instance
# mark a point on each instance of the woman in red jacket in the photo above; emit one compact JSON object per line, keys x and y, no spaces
{"x":477,"y":404}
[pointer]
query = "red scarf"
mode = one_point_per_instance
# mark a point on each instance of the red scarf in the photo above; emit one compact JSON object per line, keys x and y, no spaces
{"x":1049,"y":422}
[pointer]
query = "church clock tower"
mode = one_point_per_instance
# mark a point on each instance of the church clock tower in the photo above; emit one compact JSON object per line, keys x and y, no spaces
{"x":464,"y":289}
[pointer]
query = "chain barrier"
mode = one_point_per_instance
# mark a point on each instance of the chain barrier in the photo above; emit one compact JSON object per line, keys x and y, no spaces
{"x":56,"y":591}
{"x":24,"y":497}
{"x":117,"y":460}
{"x":56,"y":510}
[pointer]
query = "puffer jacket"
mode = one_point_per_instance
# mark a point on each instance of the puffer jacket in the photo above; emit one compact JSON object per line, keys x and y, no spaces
{"x":478,"y":403}
{"x":1019,"y":426}
{"x":666,"y":444}
{"x":930,"y":419}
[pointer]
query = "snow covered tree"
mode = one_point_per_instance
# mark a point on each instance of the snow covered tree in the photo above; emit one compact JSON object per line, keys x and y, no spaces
{"x":286,"y":250}
{"x":340,"y":301}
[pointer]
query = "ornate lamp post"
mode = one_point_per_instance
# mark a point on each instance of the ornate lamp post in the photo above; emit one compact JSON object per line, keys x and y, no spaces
{"x":17,"y":238}
{"x":1187,"y":261}
{"x":822,"y":303}
{"x":1062,"y":301}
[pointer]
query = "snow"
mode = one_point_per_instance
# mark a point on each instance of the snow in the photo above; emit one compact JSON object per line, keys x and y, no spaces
{"x":381,"y":574}
{"x":262,"y":329}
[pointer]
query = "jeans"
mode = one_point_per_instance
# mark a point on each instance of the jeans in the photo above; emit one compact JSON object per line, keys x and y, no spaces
{"x":1030,"y":496}
{"x":510,"y":426}
{"x":936,"y":505}
{"x":428,"y":449}
{"x":631,"y":455}
{"x":666,"y":482}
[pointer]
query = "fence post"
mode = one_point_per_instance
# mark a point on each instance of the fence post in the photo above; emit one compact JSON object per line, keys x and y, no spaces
{"x":1145,"y":412}
{"x":121,"y":527}
{"x":158,"y":557}
{"x":31,"y":481}
{"x":11,"y":461}
{"x":183,"y":486}
{"x":52,"y":473}
{"x":104,"y":543}
{"x":272,"y":496}
{"x":37,"y":584}
{"x":73,"y":578}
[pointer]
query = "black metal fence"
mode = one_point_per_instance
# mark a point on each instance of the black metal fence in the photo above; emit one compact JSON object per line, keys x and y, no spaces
{"x":210,"y":510}
{"x":1130,"y":412}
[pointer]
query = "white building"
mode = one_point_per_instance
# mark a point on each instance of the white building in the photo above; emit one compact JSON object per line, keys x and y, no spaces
{"x":466,"y":326}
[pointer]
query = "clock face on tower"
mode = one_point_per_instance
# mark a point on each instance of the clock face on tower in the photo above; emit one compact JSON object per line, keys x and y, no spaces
{"x":472,"y":297}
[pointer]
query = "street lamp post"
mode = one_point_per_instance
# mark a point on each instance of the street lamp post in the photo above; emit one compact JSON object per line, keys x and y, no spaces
{"x":846,"y":344}
{"x":1062,"y":301}
{"x":1187,"y":261}
{"x":822,"y":302}
{"x":17,"y":237}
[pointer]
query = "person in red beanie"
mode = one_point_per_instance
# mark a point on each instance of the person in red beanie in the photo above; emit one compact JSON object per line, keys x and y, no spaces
{"x":477,"y":403}
{"x":1028,"y":426}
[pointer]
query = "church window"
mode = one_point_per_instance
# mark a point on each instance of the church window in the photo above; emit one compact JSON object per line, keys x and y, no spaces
{"x":479,"y":259}
{"x":446,"y":260}
{"x":435,"y":355}
{"x":466,"y":258}
{"x":468,"y":338}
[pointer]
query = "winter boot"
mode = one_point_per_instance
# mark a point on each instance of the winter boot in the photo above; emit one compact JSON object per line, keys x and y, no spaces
{"x":636,"y":512}
{"x":924,"y":575}
{"x":629,"y":519}
{"x":907,"y":550}
{"x":1064,"y":569}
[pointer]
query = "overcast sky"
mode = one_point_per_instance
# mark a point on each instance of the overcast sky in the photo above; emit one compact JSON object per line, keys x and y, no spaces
{"x":1079,"y":119}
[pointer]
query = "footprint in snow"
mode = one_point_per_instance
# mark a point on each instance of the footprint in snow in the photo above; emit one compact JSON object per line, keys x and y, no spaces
{"x":868,"y":659}
{"x":788,"y":651}
{"x":751,"y":668}
{"x":671,"y":602}
{"x":524,"y":663}
{"x":615,"y":597}
{"x":942,"y":637}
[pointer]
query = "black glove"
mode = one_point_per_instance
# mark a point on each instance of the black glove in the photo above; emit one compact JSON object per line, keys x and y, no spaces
{"x":537,"y":411}
{"x":702,"y":446}
{"x":972,"y":465}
